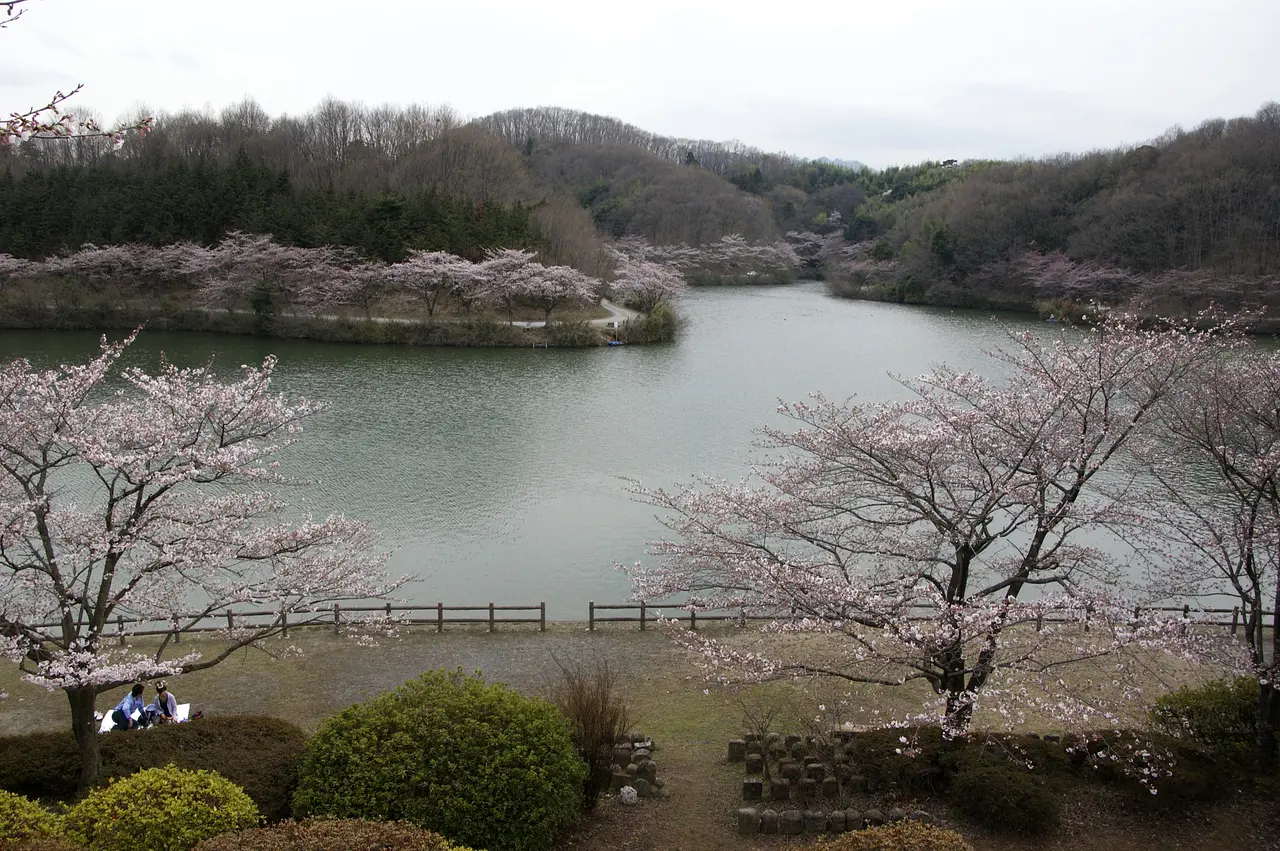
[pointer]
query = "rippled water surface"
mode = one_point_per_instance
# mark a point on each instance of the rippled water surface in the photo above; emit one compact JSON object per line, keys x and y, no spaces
{"x":498,"y":474}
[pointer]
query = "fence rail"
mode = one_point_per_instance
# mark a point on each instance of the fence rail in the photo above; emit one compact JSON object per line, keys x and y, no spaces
{"x":491,"y":614}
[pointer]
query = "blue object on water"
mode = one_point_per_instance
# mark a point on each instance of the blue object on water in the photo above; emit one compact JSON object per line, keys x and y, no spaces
{"x":615,"y":342}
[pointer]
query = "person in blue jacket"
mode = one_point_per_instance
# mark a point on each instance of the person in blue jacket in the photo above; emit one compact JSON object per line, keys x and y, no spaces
{"x":122,"y":715}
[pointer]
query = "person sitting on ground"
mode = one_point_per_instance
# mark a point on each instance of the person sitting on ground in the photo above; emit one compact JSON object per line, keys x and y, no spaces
{"x":165,"y":708}
{"x":122,"y":715}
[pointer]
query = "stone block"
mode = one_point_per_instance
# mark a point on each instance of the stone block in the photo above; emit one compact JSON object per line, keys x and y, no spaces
{"x":737,"y":750}
{"x":853,"y":820}
{"x":791,"y":771}
{"x":659,"y":783}
{"x":752,"y":789}
{"x":642,"y":787}
{"x":622,"y":754}
{"x":836,"y":822}
{"x":830,"y":787}
{"x":769,"y":821}
{"x":755,"y":763}
{"x":857,"y":783}
{"x":896,"y":814}
{"x":648,"y":770}
{"x":921,"y":816}
{"x":791,"y":741}
{"x":618,"y":780}
{"x":815,"y":821}
{"x":792,"y":823}
{"x":808,"y":788}
{"x":632,"y":769}
{"x":815,"y":770}
{"x":639,"y":755}
{"x":755,"y":747}
{"x":748,"y":821}
{"x":780,"y":790}
{"x":873,"y":818}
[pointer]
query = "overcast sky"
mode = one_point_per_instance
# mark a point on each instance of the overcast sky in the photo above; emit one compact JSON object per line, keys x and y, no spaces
{"x":891,"y":81}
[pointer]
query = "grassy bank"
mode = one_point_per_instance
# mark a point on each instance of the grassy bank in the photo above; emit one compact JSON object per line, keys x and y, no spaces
{"x":574,"y":330}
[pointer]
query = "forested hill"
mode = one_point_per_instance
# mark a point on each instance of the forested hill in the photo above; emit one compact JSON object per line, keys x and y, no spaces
{"x":385,"y":180}
{"x":1187,"y":211}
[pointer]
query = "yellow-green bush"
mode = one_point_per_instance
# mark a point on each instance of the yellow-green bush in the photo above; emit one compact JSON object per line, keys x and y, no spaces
{"x":21,"y":819}
{"x":160,"y":809}
{"x":902,"y":836}
{"x":332,"y":835}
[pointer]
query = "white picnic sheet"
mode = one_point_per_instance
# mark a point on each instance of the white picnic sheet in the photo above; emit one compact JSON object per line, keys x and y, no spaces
{"x":109,"y":724}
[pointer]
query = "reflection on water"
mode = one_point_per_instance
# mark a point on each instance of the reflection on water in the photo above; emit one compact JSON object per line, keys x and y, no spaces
{"x":498,"y":474}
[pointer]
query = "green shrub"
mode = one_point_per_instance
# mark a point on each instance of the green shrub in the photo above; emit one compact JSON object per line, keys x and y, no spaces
{"x":1003,"y":798}
{"x":42,"y":843}
{"x":889,"y":764}
{"x":259,"y":754}
{"x":332,"y":835}
{"x":901,"y":836}
{"x":160,"y":809}
{"x":478,"y":763}
{"x":21,"y":819}
{"x":573,"y":334}
{"x":1221,"y":715}
{"x":659,"y":326}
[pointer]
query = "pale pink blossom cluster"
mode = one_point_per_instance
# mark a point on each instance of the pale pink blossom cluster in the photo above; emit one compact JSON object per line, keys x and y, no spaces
{"x":950,"y":538}
{"x":646,"y":284}
{"x":242,"y":265}
{"x":144,"y":498}
{"x":731,"y":256}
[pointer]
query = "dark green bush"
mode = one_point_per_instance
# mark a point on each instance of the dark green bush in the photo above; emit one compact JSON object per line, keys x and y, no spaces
{"x":22,"y":820}
{"x":1003,"y":798}
{"x":573,"y":334}
{"x":478,"y":763}
{"x":332,"y":835}
{"x":259,"y":754}
{"x":889,"y":764}
{"x":1221,"y":715}
{"x":160,"y":809}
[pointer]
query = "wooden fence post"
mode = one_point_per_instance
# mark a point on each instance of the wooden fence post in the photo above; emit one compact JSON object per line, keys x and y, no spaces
{"x":642,"y":605}
{"x":1039,"y":621}
{"x":1186,"y":611}
{"x":591,"y":616}
{"x":542,"y":617}
{"x":490,"y":616}
{"x":1235,"y":620}
{"x":388,"y":611}
{"x":177,"y":632}
{"x":120,"y":629}
{"x":231,"y":624}
{"x":439,"y":617}
{"x":284,"y":623}
{"x":337,"y":619}
{"x":693,"y":620}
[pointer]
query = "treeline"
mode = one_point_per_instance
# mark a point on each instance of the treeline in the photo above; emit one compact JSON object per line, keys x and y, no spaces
{"x":372,"y":174}
{"x":1192,"y":207}
{"x":47,"y":211}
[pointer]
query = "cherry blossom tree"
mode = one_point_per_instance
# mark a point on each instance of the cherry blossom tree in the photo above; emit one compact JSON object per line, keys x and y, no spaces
{"x":548,"y":287}
{"x":1210,"y":533}
{"x":151,"y":503}
{"x":501,"y":275}
{"x":430,"y":275}
{"x":926,"y":539}
{"x":645,"y":284}
{"x":51,"y":121}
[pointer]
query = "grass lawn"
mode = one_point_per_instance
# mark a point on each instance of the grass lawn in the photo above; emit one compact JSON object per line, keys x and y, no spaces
{"x":319,"y":673}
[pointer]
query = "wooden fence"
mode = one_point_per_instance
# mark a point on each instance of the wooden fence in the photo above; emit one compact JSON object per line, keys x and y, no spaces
{"x":439,"y":615}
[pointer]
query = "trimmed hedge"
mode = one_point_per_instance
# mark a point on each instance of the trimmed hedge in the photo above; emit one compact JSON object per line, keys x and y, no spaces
{"x":332,"y":835}
{"x":478,"y":763}
{"x":1005,"y":799}
{"x":160,"y":809}
{"x":259,"y":754}
{"x":1221,"y":715}
{"x":22,"y":820}
{"x":901,"y":836}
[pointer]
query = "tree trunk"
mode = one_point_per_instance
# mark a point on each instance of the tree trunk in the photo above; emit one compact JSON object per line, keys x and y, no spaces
{"x":85,"y":728}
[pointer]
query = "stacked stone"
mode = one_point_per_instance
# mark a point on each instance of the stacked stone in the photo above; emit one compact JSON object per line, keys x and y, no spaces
{"x":635,"y":768}
{"x":799,"y":784}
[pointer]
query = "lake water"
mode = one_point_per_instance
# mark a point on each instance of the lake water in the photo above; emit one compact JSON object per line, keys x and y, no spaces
{"x":498,"y":474}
